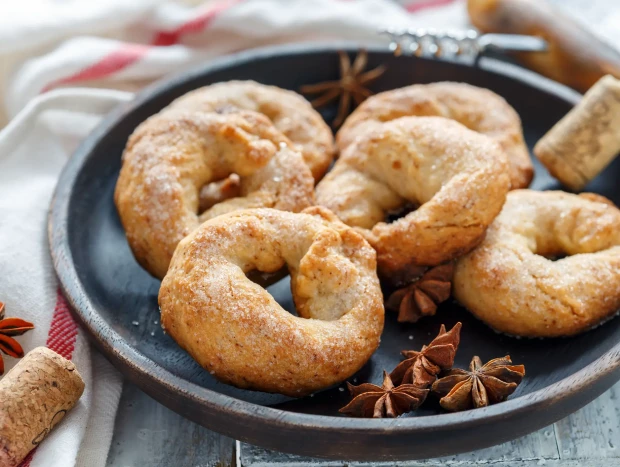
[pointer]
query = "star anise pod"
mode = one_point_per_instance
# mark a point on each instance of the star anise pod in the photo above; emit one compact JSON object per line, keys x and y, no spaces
{"x":480,"y":386}
{"x":421,"y":368}
{"x":350,"y":87}
{"x":11,"y":327}
{"x":370,"y":400}
{"x":421,"y":297}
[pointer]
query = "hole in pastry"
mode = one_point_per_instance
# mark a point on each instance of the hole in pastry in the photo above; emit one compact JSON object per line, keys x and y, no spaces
{"x":278,"y":284}
{"x":556,"y":257}
{"x":265,"y":279}
{"x":218,"y":191}
{"x":399,"y":212}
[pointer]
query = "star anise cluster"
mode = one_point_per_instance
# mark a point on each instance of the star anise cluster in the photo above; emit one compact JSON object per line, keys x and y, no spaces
{"x":482,"y":385}
{"x":10,"y":327}
{"x":422,"y":367}
{"x":350,"y":88}
{"x":407,"y":387}
{"x":388,"y":400}
{"x":419,"y":296}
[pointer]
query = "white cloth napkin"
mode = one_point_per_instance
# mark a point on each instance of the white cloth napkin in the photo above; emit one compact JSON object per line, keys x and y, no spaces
{"x":33,"y":149}
{"x":117,"y":44}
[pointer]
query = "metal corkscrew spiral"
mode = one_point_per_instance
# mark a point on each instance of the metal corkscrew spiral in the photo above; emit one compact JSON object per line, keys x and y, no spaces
{"x":458,"y":45}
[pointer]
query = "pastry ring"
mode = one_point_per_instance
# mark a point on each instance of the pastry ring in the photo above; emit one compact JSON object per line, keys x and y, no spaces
{"x":172,"y":155}
{"x":289,"y":112}
{"x":478,"y":109}
{"x":511,"y":281}
{"x":457,"y":177}
{"x":235,"y":329}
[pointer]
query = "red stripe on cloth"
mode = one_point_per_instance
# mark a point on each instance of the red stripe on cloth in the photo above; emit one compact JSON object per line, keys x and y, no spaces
{"x":28,"y":459}
{"x":424,"y":4}
{"x":197,"y":24}
{"x":61,"y":339}
{"x":128,"y":54}
{"x":63,"y":331}
{"x":115,"y":61}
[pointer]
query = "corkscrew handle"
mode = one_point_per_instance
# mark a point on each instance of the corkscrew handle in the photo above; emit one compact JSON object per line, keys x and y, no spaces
{"x":466,"y":44}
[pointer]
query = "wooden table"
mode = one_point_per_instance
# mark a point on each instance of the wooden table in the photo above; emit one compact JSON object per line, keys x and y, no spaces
{"x":148,"y":434}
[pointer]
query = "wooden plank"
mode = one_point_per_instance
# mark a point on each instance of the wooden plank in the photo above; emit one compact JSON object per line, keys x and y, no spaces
{"x":591,"y":436}
{"x":538,"y":446}
{"x":593,"y":432}
{"x":437,"y":462}
{"x":148,"y":434}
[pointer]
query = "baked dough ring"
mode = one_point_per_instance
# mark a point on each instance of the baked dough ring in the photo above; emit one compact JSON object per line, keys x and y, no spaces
{"x":458,"y":176}
{"x":510,"y":284}
{"x":237,"y":331}
{"x":478,"y":109}
{"x":172,"y":155}
{"x":290,"y":113}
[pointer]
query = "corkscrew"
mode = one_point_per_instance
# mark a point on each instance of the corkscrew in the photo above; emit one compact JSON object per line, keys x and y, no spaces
{"x":465,"y":45}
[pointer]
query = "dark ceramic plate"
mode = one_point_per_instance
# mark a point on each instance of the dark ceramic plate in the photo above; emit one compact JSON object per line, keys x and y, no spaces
{"x":116,"y":301}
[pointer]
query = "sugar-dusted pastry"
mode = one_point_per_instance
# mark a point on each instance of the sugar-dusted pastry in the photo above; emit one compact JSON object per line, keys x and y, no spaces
{"x":514,"y":282}
{"x":478,"y":109}
{"x":289,"y":112}
{"x":457,"y":177}
{"x":237,"y":331}
{"x":173,"y":155}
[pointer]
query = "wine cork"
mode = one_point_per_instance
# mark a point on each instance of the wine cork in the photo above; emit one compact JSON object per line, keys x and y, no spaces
{"x":34,"y":396}
{"x":587,"y":139}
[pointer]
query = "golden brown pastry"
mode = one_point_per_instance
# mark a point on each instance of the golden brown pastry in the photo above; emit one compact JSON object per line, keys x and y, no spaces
{"x":478,"y":109}
{"x":237,"y":331}
{"x":172,"y":155}
{"x":511,"y":281}
{"x":458,"y":177}
{"x":290,"y":113}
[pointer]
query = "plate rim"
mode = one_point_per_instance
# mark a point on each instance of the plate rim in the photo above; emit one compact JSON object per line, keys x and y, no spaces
{"x":131,"y":359}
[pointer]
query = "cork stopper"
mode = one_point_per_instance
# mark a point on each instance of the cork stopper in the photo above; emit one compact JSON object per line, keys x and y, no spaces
{"x":34,"y":396}
{"x":587,"y":139}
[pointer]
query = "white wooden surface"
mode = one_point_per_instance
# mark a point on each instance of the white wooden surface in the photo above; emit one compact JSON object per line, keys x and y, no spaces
{"x":148,"y":434}
{"x":589,"y":437}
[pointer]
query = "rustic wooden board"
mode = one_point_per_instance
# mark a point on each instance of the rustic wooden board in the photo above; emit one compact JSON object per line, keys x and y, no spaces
{"x":148,"y":434}
{"x":594,"y":431}
{"x":589,"y":437}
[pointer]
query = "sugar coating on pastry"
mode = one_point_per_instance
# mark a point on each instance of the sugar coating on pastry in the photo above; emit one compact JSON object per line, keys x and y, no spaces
{"x":511,"y":281}
{"x":457,"y":177}
{"x":289,"y":112}
{"x":236,"y":330}
{"x":171,"y":156}
{"x":477,"y":108}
